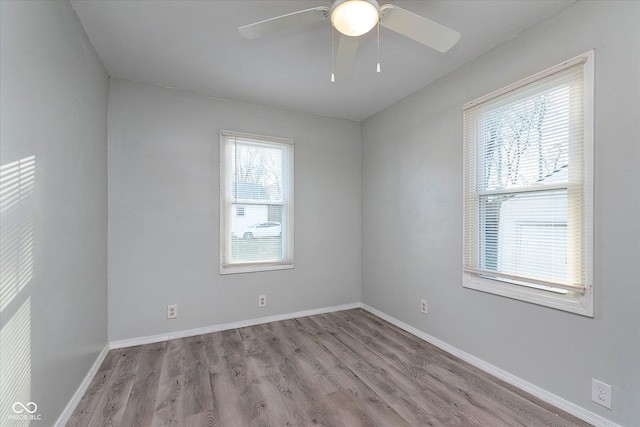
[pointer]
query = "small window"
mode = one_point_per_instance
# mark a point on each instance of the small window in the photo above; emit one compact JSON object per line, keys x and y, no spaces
{"x":256,"y":184}
{"x":528,"y":189}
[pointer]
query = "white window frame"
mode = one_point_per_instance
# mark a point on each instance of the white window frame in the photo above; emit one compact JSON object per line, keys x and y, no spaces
{"x":227,"y":145}
{"x":574,"y":301}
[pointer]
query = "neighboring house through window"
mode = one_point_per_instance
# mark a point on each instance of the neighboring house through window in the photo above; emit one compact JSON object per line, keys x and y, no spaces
{"x":256,"y":203}
{"x":528,"y":192}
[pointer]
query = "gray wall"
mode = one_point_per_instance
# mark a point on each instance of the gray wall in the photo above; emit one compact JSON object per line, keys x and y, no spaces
{"x":54,"y":93}
{"x":402,"y":184}
{"x":412,"y":216}
{"x":164,"y":215}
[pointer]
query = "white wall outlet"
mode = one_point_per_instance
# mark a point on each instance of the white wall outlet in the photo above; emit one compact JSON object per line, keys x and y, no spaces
{"x":262,"y":301}
{"x":172,"y":311}
{"x":423,"y":306}
{"x":601,"y":393}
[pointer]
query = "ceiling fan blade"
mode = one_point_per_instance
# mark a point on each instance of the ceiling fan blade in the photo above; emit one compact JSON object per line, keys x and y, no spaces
{"x":347,"y":49}
{"x":418,"y":28}
{"x":283,"y":22}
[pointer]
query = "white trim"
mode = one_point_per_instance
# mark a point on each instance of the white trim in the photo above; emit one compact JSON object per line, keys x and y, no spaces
{"x":531,"y":295}
{"x":227,"y":326}
{"x":286,"y":201}
{"x":82,"y":389}
{"x":589,"y":178}
{"x":256,"y":137}
{"x":254,"y":267}
{"x":586,"y":57}
{"x":559,"y":285}
{"x":509,"y":378}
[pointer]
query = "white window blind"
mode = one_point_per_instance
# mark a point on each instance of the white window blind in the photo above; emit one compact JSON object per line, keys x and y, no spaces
{"x":256,"y":203}
{"x":527,"y":187}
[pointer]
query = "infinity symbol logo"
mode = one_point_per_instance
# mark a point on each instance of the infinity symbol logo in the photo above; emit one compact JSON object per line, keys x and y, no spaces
{"x":23,"y":407}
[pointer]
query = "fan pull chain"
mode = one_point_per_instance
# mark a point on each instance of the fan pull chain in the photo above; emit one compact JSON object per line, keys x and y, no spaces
{"x":333,"y":61}
{"x":378,"y":66}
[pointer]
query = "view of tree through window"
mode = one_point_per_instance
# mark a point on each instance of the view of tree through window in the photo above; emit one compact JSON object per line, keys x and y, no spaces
{"x":525,"y":144}
{"x":257,"y":188}
{"x":528,"y":188}
{"x":257,"y":220}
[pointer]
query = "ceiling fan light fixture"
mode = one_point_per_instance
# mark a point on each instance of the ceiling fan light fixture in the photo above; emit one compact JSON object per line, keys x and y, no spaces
{"x":354,"y":17}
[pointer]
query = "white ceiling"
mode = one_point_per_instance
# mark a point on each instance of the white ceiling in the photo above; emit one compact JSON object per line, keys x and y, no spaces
{"x":195,"y":46}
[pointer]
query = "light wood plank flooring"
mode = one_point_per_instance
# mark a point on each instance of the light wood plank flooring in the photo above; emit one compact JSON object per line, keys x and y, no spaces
{"x":348,"y":368}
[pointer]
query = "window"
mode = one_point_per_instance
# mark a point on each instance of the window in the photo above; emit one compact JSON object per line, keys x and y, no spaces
{"x":528,"y":192}
{"x":256,"y":203}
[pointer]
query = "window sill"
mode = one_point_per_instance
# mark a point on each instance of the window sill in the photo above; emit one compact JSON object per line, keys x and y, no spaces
{"x":253,"y":268}
{"x":571,"y":302}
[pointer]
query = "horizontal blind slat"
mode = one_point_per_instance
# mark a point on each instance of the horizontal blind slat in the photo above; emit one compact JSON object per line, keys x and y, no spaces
{"x":566,"y":286}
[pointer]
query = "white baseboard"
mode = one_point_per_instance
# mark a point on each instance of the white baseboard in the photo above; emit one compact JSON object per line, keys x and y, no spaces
{"x":71,"y":406}
{"x":540,"y":393}
{"x":226,"y":326}
{"x":526,"y":386}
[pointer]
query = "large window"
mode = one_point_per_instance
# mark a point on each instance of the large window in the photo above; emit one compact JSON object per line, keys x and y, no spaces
{"x":528,"y":189}
{"x":256,"y":203}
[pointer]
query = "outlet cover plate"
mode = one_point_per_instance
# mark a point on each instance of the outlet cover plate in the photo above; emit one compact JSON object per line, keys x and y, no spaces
{"x":262,"y":301}
{"x":423,"y":306}
{"x":172,"y":311}
{"x":601,"y":393}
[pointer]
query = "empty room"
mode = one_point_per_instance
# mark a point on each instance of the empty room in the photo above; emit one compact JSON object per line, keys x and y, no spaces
{"x":319,"y":212}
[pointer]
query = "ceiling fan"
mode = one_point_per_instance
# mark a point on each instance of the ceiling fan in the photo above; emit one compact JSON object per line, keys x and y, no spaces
{"x":353,"y":18}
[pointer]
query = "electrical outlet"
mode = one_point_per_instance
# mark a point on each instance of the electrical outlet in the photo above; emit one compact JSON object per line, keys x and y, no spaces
{"x":262,"y":301}
{"x":423,"y":306}
{"x":172,"y":311}
{"x":601,"y":393}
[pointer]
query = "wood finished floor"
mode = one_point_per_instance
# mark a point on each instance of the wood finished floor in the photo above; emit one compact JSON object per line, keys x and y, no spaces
{"x":348,"y":368}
